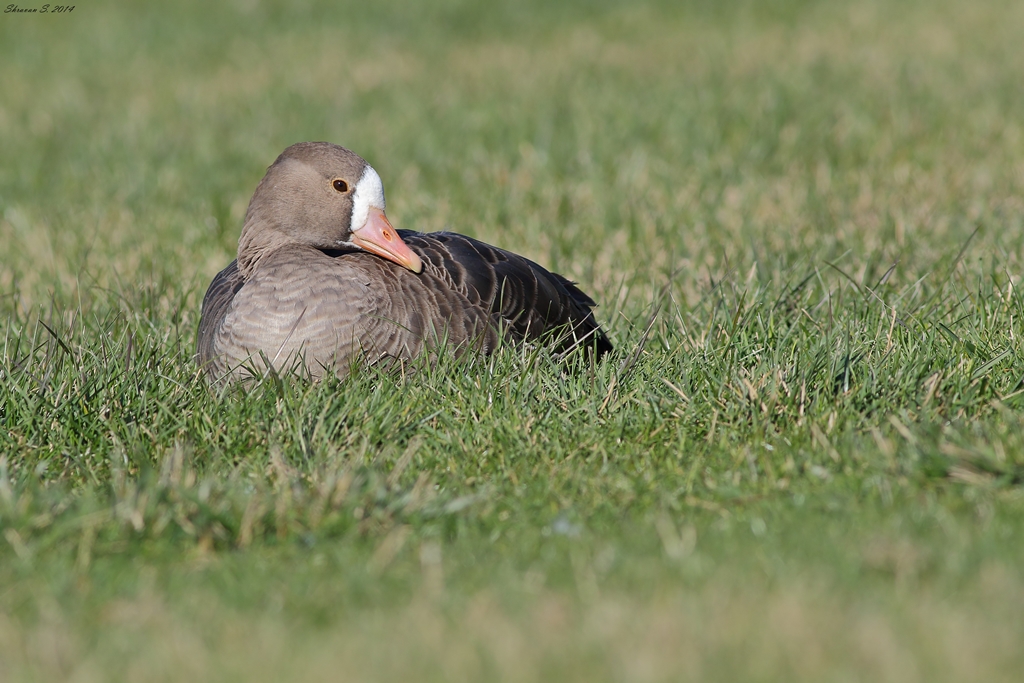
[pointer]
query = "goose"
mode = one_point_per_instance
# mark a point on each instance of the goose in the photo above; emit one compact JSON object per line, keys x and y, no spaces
{"x":323,"y":282}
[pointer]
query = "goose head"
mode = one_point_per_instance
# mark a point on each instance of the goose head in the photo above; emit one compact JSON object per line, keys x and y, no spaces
{"x":320,"y":195}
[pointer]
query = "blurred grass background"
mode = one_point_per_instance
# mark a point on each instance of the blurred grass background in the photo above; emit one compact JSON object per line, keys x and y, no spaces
{"x":823,"y":202}
{"x":689,"y":133}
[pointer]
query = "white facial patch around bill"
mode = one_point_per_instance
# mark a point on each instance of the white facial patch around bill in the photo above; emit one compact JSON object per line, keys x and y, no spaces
{"x":369,"y":193}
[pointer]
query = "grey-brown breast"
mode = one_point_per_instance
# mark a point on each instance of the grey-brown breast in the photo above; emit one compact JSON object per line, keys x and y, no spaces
{"x":330,"y":309}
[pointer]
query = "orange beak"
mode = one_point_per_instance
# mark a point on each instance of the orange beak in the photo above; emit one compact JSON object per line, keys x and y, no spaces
{"x":377,"y":236}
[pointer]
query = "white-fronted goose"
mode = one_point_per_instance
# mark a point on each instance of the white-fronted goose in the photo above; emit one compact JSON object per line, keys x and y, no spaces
{"x":322,"y":280}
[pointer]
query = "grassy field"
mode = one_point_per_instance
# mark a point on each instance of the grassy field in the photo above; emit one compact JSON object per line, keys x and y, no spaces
{"x":804,"y":224}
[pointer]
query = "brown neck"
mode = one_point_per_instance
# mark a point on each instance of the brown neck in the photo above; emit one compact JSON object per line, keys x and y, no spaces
{"x":256,"y":241}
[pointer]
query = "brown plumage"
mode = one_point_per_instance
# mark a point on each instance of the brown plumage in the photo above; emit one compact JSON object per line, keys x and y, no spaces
{"x":323,"y":281}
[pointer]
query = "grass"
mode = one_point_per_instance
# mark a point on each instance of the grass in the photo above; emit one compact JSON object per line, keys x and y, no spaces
{"x":803,"y":222}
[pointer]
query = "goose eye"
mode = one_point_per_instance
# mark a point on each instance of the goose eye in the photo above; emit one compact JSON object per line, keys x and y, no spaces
{"x":340,"y":185}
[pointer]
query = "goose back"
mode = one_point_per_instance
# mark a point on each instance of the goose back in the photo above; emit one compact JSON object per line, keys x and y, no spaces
{"x":522,"y":296}
{"x":320,"y":310}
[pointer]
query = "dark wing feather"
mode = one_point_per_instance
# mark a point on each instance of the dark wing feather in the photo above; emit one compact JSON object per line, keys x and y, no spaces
{"x":529,"y":300}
